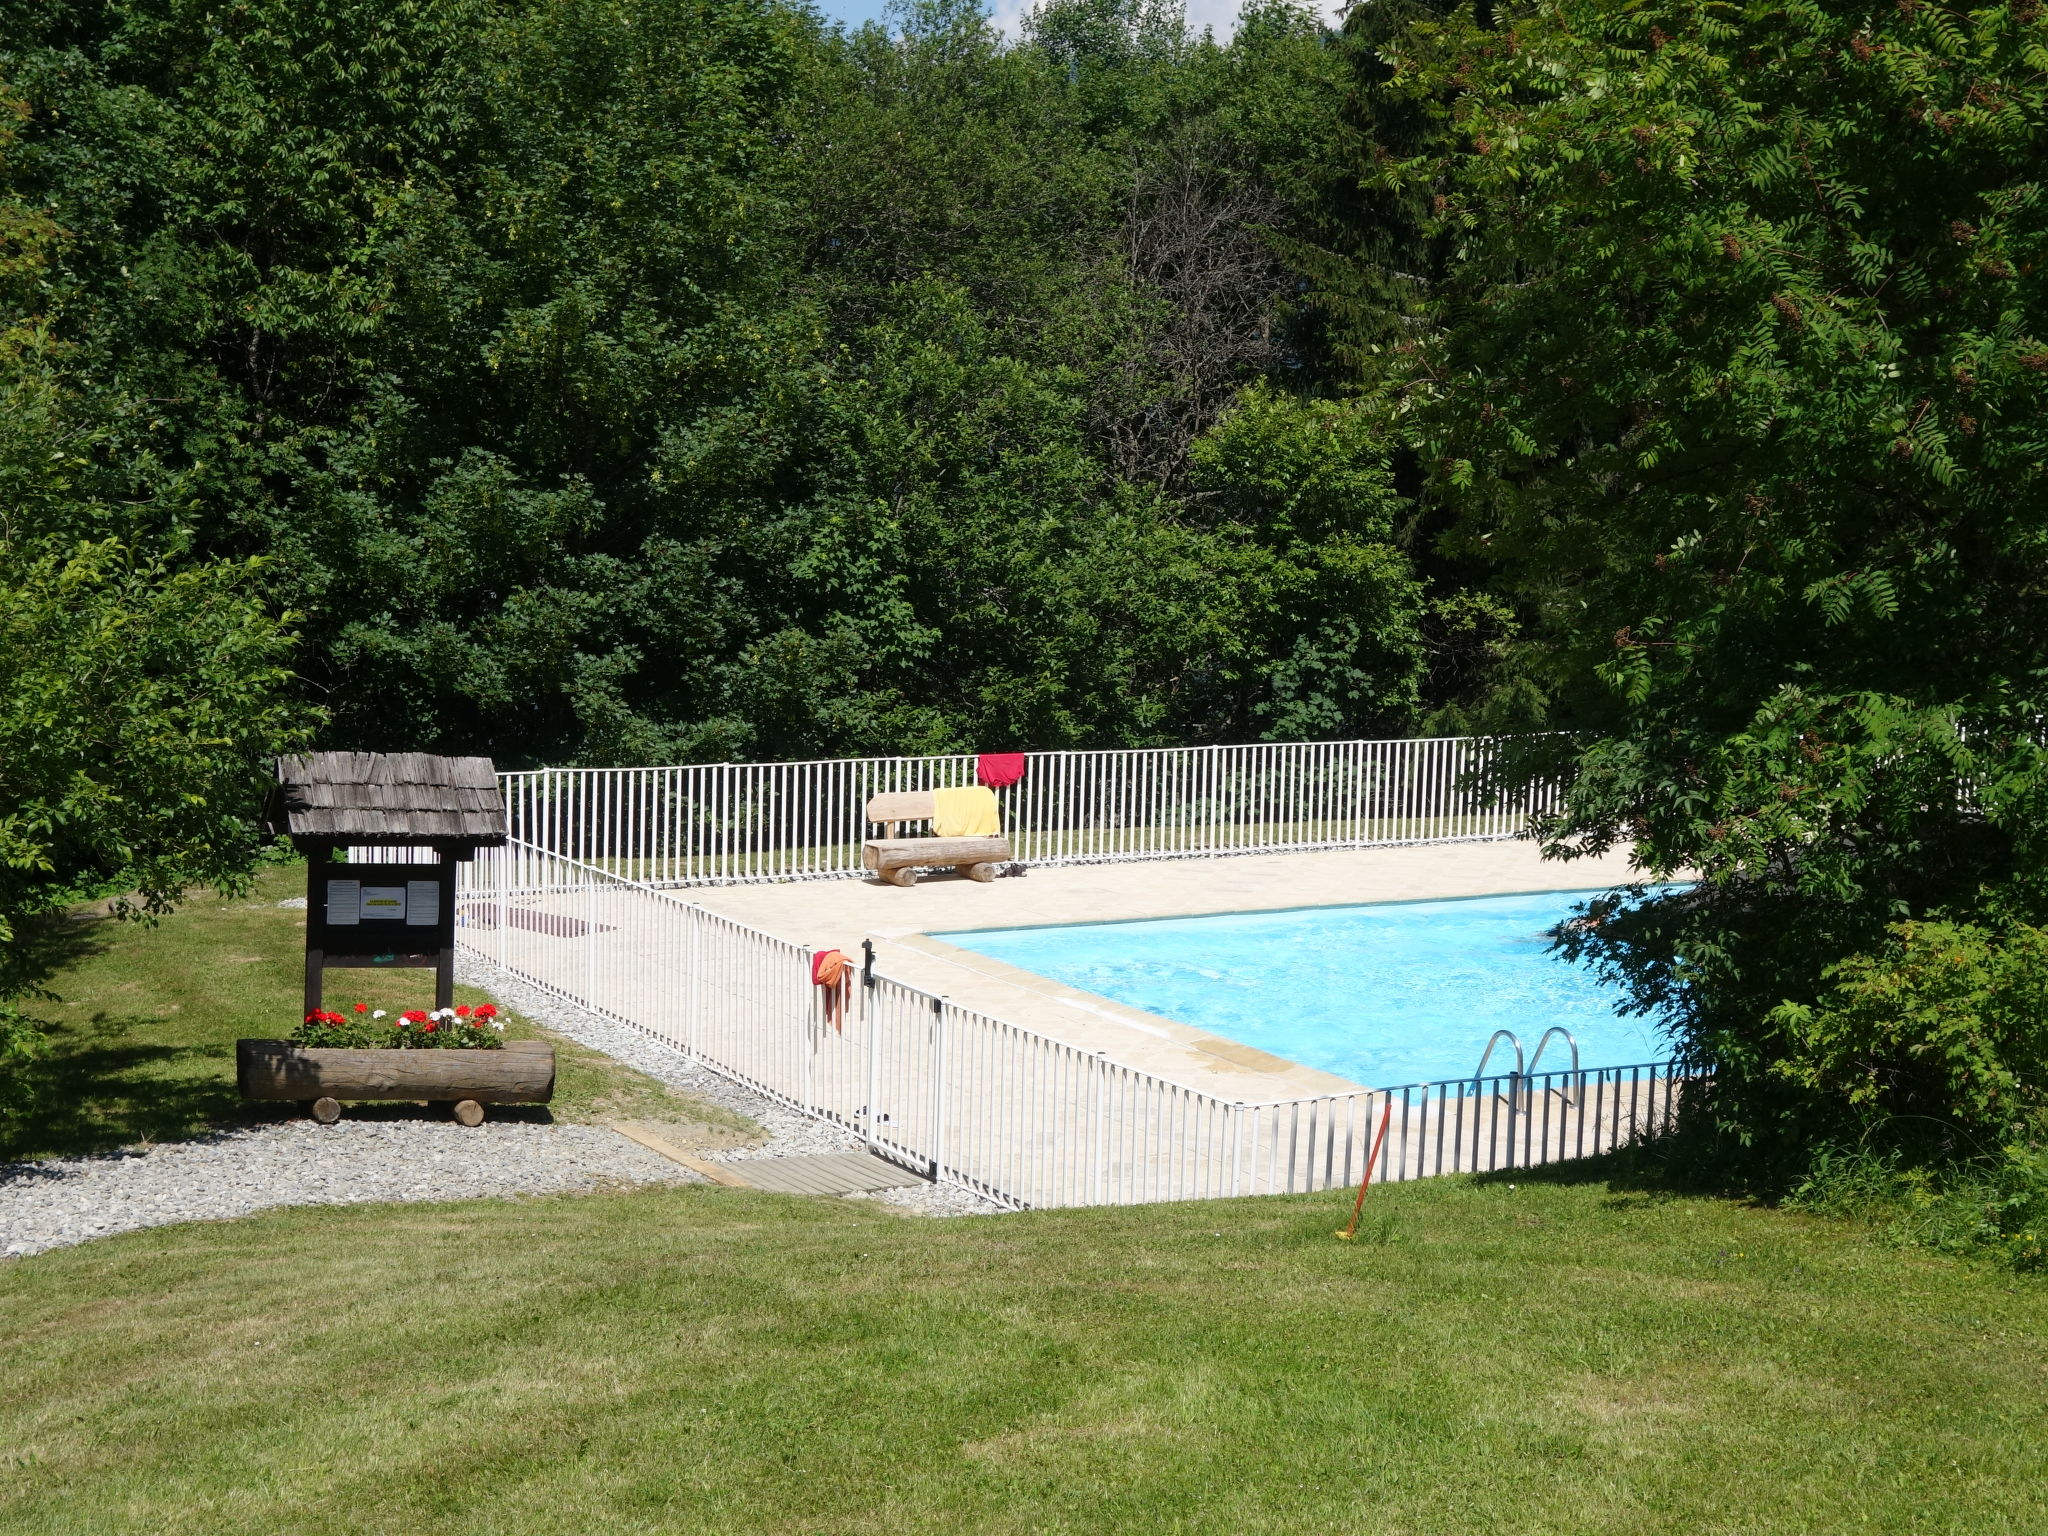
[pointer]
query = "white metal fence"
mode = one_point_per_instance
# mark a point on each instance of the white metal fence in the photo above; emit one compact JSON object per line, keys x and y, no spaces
{"x":721,"y":823}
{"x":1016,"y":1115}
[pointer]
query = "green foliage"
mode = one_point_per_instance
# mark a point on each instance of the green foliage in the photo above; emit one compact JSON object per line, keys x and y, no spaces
{"x":1369,"y":239}
{"x":1950,"y":1021}
{"x":142,"y":689}
{"x":1307,"y":483}
{"x":22,"y":1042}
{"x":1993,"y":1207}
{"x":140,"y":707}
{"x":621,"y":381}
{"x":1739,"y":380}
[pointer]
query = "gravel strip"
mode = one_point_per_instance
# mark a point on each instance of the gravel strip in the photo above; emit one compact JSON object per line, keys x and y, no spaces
{"x":790,"y":1134}
{"x":397,"y":1156}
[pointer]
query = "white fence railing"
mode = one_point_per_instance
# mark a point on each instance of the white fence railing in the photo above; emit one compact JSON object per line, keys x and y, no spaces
{"x":1018,"y":1116}
{"x":720,"y":823}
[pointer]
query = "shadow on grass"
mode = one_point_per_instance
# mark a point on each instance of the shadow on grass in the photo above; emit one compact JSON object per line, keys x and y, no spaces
{"x":90,"y":1093}
{"x":1643,"y":1173}
{"x":95,"y":1091}
{"x":44,"y":946}
{"x":101,"y":1082}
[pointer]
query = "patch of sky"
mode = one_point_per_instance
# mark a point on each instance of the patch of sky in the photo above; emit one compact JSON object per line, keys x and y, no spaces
{"x":1219,"y":16}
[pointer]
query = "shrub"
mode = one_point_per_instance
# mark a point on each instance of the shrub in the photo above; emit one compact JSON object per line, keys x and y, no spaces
{"x":1946,"y":1028}
{"x":1994,"y":1207}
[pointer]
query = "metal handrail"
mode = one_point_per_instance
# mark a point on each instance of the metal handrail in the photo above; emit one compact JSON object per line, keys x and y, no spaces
{"x":1557,"y":1029}
{"x":1498,"y":1036}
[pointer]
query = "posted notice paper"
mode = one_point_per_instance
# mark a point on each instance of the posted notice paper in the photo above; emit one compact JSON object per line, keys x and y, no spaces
{"x":383,"y":903}
{"x":422,"y":903}
{"x":344,"y":903}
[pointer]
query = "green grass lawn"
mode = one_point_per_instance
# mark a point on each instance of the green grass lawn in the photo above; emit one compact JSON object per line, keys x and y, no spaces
{"x":143,"y":1032}
{"x":1557,"y":1357}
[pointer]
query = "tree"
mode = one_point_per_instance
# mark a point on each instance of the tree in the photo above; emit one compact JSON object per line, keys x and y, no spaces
{"x":143,"y":692}
{"x":529,"y":346}
{"x":1740,"y":380}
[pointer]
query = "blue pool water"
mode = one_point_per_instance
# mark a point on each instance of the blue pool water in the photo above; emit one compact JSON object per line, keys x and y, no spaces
{"x":1401,"y":992}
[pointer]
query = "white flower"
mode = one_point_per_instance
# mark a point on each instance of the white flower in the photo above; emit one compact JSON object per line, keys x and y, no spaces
{"x":378,"y":1014}
{"x":497,"y":1026}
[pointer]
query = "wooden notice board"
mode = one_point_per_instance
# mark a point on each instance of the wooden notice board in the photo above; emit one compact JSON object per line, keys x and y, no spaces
{"x":380,"y":917}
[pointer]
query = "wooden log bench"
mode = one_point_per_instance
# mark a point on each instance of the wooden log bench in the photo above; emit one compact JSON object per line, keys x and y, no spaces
{"x":319,"y":1076}
{"x":898,"y":859}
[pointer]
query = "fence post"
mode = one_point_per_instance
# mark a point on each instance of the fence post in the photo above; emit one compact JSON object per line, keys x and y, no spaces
{"x":1293,"y":1138}
{"x":814,"y":1032}
{"x":500,"y":859}
{"x":1237,"y":1149}
{"x":1098,"y":1126}
{"x":869,"y":1029}
{"x":938,"y":1148}
{"x":694,"y":1003}
{"x":1514,"y":1112}
{"x":590,"y":944}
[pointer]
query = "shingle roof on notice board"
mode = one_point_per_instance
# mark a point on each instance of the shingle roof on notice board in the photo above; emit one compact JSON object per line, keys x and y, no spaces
{"x":389,"y":797}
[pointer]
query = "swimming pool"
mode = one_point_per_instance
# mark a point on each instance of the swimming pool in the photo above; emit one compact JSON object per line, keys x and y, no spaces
{"x":1394,"y":993}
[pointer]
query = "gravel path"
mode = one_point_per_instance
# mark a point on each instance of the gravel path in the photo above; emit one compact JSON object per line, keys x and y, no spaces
{"x":393,"y":1152}
{"x":56,"y":1203}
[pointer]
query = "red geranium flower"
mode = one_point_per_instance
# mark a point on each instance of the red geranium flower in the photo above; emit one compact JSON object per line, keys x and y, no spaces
{"x":362,"y":1007}
{"x":414,"y":1016}
{"x":429,"y":1026}
{"x":486,"y":1011}
{"x":462,"y":1012}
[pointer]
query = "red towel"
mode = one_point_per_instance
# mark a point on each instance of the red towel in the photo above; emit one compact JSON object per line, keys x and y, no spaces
{"x":999,"y":770}
{"x":828,"y":970}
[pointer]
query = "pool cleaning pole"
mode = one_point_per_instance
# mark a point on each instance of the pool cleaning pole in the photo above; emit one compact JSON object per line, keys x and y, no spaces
{"x":1366,"y":1183}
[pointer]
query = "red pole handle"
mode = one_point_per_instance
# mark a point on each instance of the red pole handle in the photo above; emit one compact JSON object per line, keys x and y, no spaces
{"x":1366,"y":1183}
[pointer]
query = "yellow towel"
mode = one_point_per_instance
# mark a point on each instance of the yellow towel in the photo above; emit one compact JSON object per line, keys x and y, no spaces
{"x":967,"y":812}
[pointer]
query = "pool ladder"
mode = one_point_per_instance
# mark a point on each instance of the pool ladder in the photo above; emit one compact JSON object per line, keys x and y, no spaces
{"x":1524,"y":1073}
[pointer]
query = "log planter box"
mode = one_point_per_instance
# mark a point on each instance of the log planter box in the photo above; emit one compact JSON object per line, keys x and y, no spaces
{"x":320,"y":1077}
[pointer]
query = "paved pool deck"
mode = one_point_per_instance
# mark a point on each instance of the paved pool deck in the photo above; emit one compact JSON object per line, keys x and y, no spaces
{"x":838,"y":914}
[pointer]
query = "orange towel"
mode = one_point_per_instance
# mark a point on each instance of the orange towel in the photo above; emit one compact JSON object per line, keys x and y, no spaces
{"x":828,"y":970}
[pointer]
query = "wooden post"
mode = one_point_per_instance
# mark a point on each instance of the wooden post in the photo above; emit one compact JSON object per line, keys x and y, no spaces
{"x":444,"y":967}
{"x":318,"y":857}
